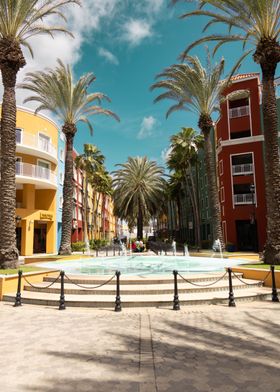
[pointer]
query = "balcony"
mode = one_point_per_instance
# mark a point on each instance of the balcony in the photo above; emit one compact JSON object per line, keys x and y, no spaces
{"x":243,"y":198}
{"x":243,"y":169}
{"x":240,"y":111}
{"x":35,"y":145}
{"x":37,"y":175}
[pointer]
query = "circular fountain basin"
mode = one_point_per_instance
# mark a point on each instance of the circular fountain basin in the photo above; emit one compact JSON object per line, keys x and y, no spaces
{"x":142,"y":265}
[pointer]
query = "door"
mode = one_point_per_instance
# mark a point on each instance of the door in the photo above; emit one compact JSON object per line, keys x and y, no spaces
{"x":44,"y":142}
{"x":43,"y":169}
{"x":247,"y":235}
{"x":40,"y":237}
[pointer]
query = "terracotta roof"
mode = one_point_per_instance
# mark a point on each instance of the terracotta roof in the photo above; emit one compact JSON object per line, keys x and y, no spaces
{"x":244,"y":76}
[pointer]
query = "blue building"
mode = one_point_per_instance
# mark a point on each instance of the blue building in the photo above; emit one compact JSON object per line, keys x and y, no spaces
{"x":60,"y":179}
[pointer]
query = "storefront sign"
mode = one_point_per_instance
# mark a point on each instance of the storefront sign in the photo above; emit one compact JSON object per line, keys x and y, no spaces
{"x":46,"y":216}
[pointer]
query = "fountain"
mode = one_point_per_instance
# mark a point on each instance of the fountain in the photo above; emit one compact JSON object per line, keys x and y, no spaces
{"x":123,"y":249}
{"x":174,"y":247}
{"x":186,"y":250}
{"x":217,"y":247}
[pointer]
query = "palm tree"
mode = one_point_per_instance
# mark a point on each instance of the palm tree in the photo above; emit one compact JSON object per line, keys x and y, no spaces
{"x":19,"y":21}
{"x":90,"y":162}
{"x":55,"y":90}
{"x":138,"y":190}
{"x":257,"y":23}
{"x":195,"y":88}
{"x":183,"y":158}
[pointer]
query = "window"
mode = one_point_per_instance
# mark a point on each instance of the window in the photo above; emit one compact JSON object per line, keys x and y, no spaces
{"x":61,"y":178}
{"x":44,"y":142}
{"x":240,"y":134}
{"x":60,"y":202}
{"x":19,"y":134}
{"x":18,"y":165}
{"x":80,"y":214}
{"x":43,"y":169}
{"x":221,"y":167}
{"x":222,"y":194}
{"x":61,"y":154}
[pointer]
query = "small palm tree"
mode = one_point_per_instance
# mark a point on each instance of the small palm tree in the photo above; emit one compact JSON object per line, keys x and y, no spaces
{"x":195,"y":88}
{"x":19,"y":21}
{"x":91,"y":162}
{"x":138,"y":190}
{"x":55,"y":90}
{"x":257,"y":23}
{"x":183,"y":158}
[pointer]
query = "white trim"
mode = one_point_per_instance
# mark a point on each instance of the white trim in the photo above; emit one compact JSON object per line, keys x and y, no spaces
{"x":222,"y":194}
{"x":242,"y":140}
{"x":43,"y":161}
{"x":254,"y":175}
{"x":231,"y":183}
{"x":221,"y":167}
{"x":243,"y":153}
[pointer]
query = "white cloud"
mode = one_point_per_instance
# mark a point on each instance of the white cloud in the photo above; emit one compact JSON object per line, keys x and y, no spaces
{"x":153,"y":5}
{"x":147,"y":127}
{"x":136,"y":30}
{"x":109,"y":56}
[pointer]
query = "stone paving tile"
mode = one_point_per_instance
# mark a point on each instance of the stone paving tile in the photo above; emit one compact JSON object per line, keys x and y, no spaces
{"x":197,"y":349}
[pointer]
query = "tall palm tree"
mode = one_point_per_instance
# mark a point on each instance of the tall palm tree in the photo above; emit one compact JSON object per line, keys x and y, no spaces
{"x":258,"y":24}
{"x":55,"y":90}
{"x":138,"y":190}
{"x":90,"y":162}
{"x":19,"y":21}
{"x":198,"y":89}
{"x":183,"y":157}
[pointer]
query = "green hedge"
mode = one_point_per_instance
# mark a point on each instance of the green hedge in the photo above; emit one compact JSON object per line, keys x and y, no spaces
{"x":79,"y":246}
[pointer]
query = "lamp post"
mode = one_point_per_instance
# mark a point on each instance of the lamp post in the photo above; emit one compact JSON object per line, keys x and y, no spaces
{"x":253,"y":219}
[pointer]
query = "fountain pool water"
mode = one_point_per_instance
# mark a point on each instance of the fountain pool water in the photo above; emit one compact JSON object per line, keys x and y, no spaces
{"x":142,"y":265}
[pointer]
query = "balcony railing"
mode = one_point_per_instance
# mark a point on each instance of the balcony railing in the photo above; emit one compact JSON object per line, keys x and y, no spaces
{"x":35,"y":171}
{"x":245,"y":168}
{"x":240,"y":111}
{"x":243,"y":198}
{"x":27,"y":139}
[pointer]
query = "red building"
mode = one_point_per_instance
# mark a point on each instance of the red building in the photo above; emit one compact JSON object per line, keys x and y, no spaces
{"x":240,"y":165}
{"x":77,"y":223}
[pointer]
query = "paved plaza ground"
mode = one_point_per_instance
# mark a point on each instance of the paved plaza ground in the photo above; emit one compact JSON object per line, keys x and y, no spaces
{"x":201,"y":348}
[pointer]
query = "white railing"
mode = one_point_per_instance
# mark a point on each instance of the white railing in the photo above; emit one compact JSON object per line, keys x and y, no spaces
{"x":245,"y":168}
{"x":243,"y":198}
{"x":239,"y":111}
{"x":27,"y":139}
{"x":35,"y":171}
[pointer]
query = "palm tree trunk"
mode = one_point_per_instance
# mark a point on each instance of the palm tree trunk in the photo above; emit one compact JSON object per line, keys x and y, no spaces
{"x":68,"y":187}
{"x":212,"y":180}
{"x":8,"y":250}
{"x":196,"y":210}
{"x":85,"y":217}
{"x":272,"y":165}
{"x":140,"y":224}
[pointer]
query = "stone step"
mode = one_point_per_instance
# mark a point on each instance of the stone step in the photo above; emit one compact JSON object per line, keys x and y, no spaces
{"x":143,"y":289}
{"x":143,"y":280}
{"x":99,"y":301}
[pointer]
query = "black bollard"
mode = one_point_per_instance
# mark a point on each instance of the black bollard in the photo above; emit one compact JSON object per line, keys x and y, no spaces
{"x":106,"y":251}
{"x":231,"y":301}
{"x":114,"y":251}
{"x":165,"y":252}
{"x":18,"y":295}
{"x":176,"y":302}
{"x":118,"y":305}
{"x":62,"y":297}
{"x":274,"y":289}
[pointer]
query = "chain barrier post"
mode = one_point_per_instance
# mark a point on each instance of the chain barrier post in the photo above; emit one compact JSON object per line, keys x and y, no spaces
{"x":165,"y":252}
{"x":118,"y":305}
{"x":114,"y":249}
{"x":18,"y":294}
{"x":176,"y":302}
{"x":62,"y":297}
{"x":106,"y":251}
{"x":231,"y":301}
{"x":274,"y":289}
{"x":119,"y":251}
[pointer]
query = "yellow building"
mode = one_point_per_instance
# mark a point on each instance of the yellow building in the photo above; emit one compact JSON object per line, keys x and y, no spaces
{"x":36,"y":182}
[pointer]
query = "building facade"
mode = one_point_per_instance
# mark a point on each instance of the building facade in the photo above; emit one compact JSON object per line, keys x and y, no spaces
{"x":241,"y":166}
{"x":36,"y":182}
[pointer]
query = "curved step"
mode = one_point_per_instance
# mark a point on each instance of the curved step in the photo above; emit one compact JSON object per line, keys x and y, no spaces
{"x":141,"y":289}
{"x":98,"y":301}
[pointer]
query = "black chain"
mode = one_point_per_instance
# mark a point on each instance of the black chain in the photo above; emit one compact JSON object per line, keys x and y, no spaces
{"x":40,"y":287}
{"x":90,"y":288}
{"x":251,"y":284}
{"x":202,"y":285}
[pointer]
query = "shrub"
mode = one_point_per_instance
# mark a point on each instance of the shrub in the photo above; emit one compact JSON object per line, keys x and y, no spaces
{"x":79,"y":246}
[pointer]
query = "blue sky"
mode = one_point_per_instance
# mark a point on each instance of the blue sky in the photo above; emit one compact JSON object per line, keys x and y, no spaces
{"x":125,"y":43}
